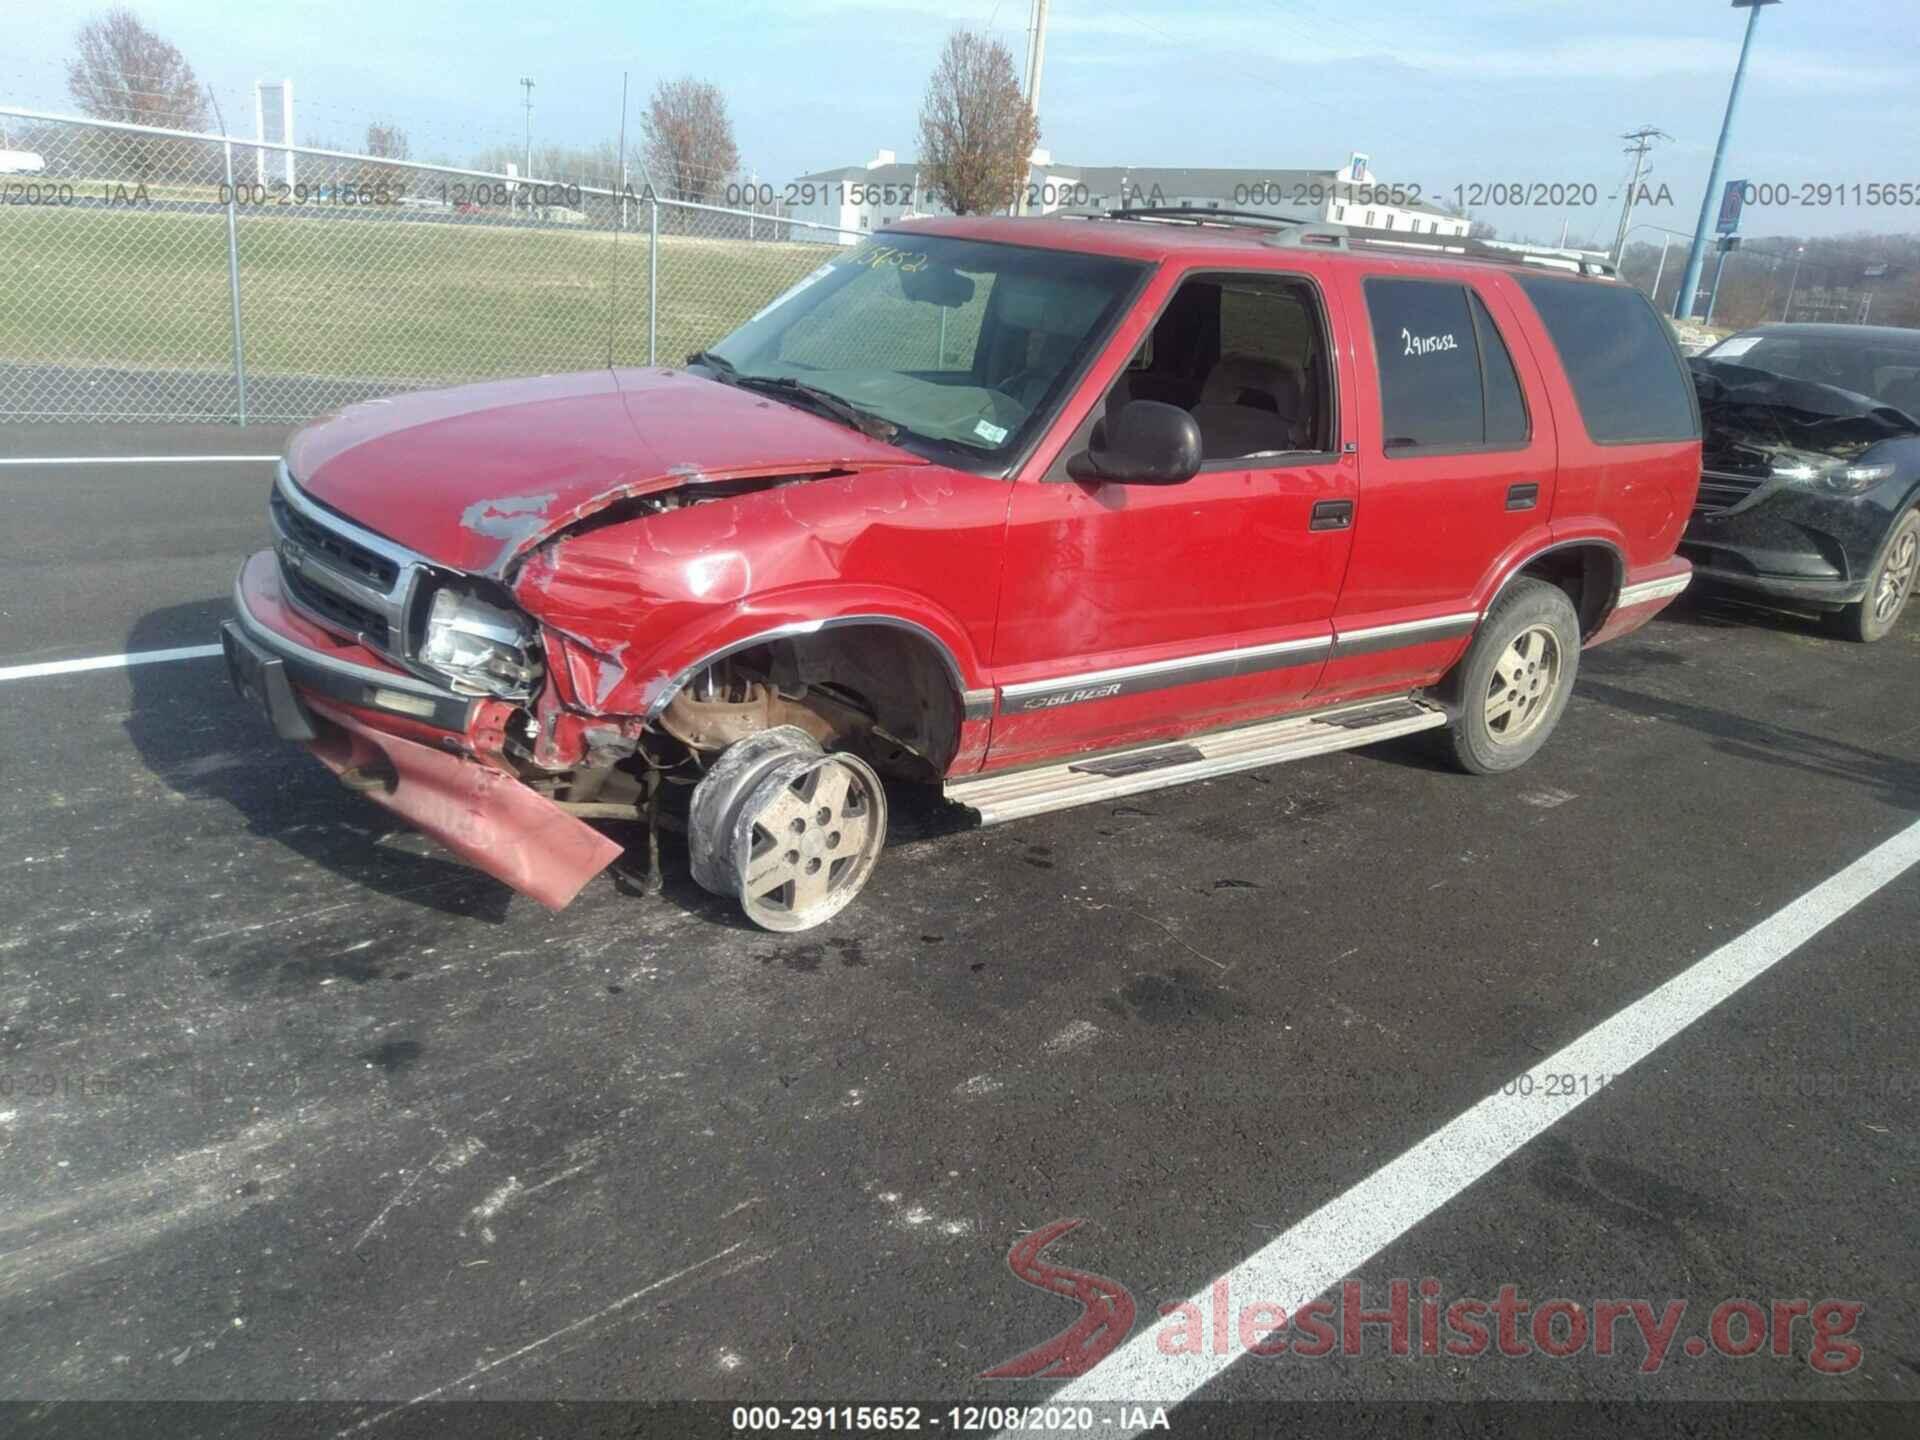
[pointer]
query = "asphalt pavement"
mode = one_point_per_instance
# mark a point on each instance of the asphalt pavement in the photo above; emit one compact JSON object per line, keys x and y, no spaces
{"x":294,"y":1107}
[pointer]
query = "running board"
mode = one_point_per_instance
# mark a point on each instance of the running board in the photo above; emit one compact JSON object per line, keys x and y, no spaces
{"x":1016,"y":794}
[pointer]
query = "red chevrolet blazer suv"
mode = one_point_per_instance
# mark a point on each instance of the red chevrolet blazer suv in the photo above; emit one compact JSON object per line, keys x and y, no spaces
{"x":1040,"y":511}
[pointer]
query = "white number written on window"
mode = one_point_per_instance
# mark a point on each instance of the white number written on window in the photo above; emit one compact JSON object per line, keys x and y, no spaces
{"x":1427,"y":344}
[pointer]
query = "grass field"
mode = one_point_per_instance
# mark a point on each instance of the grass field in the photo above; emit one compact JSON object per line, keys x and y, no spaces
{"x":365,"y":299}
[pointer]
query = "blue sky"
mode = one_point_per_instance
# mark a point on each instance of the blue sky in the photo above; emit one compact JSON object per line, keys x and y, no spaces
{"x":1526,"y":90}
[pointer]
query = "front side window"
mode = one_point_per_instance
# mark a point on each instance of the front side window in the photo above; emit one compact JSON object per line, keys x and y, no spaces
{"x":1626,"y":375}
{"x":958,"y":346}
{"x":1244,"y":353}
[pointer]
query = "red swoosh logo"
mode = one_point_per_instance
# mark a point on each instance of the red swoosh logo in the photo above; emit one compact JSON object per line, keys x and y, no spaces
{"x":1105,"y":1321}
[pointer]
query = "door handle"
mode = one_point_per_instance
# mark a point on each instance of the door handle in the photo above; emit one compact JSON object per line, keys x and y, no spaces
{"x":1331,"y":515}
{"x":1522,"y":497}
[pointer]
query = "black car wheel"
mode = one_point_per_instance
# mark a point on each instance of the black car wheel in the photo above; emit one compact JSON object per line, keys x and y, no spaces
{"x":1889,"y":588}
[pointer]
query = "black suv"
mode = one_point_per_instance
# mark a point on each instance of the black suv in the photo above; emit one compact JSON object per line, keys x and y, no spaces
{"x":1812,"y":470}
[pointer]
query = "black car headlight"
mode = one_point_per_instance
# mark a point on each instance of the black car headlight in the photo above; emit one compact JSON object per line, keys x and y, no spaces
{"x":1829,"y":473}
{"x":482,"y":648}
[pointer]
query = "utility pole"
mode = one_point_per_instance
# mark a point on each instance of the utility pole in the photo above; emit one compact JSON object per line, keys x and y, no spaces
{"x":1639,"y":142}
{"x":1036,"y":62}
{"x":526,"y":87}
{"x":1697,"y":256}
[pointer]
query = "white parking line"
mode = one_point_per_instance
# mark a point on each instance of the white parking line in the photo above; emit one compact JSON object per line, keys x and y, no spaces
{"x":107,"y":662}
{"x":143,"y":460}
{"x":1337,"y":1239}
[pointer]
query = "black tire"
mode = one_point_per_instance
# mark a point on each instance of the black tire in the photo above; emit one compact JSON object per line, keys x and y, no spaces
{"x":1888,"y":588}
{"x":1499,"y":727}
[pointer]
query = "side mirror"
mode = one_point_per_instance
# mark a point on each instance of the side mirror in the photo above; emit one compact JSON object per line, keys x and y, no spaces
{"x":1142,"y":443}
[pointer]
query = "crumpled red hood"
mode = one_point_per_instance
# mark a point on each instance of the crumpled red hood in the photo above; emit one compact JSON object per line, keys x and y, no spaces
{"x":475,"y":477}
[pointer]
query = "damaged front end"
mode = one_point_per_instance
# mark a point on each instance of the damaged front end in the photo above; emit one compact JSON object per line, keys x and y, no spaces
{"x":1800,"y":485}
{"x":483,"y":709}
{"x":1760,"y":427}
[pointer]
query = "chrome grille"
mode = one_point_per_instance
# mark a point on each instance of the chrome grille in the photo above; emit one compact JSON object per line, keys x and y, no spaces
{"x":349,"y":580}
{"x":338,"y":551}
{"x":360,"y":622}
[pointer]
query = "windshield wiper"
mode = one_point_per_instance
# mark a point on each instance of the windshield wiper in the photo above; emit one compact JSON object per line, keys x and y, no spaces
{"x":873,"y":426}
{"x":719,"y":364}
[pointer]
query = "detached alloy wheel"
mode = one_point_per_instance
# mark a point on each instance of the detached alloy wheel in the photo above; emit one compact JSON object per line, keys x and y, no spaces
{"x":1888,"y":590}
{"x":791,"y":832}
{"x":1512,"y":687}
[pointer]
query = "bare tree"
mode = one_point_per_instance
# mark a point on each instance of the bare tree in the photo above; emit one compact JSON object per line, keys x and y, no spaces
{"x":688,"y":140}
{"x":385,"y":141}
{"x":388,"y":142}
{"x":976,"y":129}
{"x":124,"y":71}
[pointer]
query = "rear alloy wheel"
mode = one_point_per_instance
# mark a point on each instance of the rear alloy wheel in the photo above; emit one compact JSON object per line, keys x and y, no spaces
{"x":1888,"y":590}
{"x":789,"y":831}
{"x":1510,"y":690}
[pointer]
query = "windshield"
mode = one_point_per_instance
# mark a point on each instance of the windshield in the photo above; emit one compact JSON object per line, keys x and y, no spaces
{"x":963,"y":346}
{"x":1889,"y":373}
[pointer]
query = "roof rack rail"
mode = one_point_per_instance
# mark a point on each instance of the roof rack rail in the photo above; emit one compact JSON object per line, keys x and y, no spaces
{"x":1349,"y":237}
{"x":1290,"y":230}
{"x":1203,"y":214}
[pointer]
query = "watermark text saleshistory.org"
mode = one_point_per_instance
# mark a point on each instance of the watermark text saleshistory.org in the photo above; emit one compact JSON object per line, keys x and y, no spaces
{"x":1418,"y":1318}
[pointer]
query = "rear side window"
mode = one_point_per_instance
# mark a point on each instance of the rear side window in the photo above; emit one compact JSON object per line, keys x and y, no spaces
{"x":1625,"y":372}
{"x":1506,"y":407}
{"x":1446,"y":379}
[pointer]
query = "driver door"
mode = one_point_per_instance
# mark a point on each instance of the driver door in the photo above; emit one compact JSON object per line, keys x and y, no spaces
{"x":1130,"y":613}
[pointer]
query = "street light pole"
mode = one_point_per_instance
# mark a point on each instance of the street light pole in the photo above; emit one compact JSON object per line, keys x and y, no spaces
{"x":1713,"y":295}
{"x":526,"y":85}
{"x":1666,"y":245}
{"x":1799,"y":254}
{"x":1696,"y":257}
{"x":1036,"y":62}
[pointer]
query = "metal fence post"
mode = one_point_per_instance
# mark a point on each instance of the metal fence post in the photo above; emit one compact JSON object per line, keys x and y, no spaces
{"x":653,"y":282}
{"x":233,"y":289}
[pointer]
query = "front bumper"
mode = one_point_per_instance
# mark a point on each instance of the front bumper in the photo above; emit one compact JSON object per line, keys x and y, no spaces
{"x":349,"y":709}
{"x":1790,"y":543}
{"x":269,"y":638}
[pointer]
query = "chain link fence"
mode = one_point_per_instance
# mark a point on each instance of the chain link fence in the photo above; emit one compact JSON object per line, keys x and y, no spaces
{"x":162,"y":275}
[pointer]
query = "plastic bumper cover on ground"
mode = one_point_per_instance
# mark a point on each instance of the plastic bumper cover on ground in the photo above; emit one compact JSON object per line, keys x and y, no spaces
{"x":482,"y":814}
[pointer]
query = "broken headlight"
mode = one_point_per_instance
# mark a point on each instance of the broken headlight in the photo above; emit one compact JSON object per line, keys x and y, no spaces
{"x":482,"y":648}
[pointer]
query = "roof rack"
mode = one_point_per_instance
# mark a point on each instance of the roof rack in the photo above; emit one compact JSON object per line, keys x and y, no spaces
{"x":1204,"y":214}
{"x":1349,"y":237}
{"x":1290,"y":230}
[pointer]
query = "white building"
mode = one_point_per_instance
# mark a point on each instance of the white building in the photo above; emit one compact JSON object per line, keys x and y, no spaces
{"x":856,"y":200}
